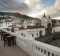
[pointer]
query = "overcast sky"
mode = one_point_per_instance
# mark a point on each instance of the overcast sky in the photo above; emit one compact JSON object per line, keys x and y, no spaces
{"x":34,"y":8}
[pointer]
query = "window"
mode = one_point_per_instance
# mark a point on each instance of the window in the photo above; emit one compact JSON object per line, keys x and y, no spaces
{"x":32,"y":35}
{"x":54,"y":31}
{"x":21,"y":33}
{"x":52,"y":54}
{"x":6,"y":23}
{"x":40,"y":33}
{"x":44,"y":51}
{"x":37,"y":34}
{"x":38,"y":48}
{"x":41,"y":50}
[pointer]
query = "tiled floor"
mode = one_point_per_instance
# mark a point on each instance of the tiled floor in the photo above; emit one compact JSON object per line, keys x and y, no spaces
{"x":11,"y":51}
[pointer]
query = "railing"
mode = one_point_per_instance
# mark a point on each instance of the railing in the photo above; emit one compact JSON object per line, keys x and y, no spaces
{"x":44,"y":49}
{"x":35,"y":48}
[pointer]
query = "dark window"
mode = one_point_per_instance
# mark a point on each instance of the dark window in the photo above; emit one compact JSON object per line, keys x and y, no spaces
{"x":37,"y":34}
{"x":32,"y":35}
{"x":52,"y":54}
{"x":54,"y":31}
{"x":38,"y":48}
{"x":40,"y":33}
{"x":44,"y":51}
{"x":6,"y":23}
{"x":21,"y":33}
{"x":49,"y":25}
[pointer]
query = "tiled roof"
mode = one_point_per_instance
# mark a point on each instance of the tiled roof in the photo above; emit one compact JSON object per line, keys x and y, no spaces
{"x":56,"y":26}
{"x":32,"y":27}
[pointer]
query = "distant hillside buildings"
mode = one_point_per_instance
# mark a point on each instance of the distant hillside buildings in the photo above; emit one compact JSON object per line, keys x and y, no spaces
{"x":30,"y":23}
{"x":28,"y":28}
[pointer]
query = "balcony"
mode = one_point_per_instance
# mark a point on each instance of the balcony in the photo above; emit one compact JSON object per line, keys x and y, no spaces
{"x":14,"y":50}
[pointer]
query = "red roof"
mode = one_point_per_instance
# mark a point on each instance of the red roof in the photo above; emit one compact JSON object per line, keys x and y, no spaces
{"x":32,"y":27}
{"x":56,"y":26}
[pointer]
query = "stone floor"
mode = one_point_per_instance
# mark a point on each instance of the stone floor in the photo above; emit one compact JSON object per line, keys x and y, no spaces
{"x":11,"y":51}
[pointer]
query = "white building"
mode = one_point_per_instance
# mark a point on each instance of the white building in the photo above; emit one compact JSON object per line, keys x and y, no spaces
{"x":32,"y":31}
{"x":5,"y":22}
{"x":46,"y":20}
{"x":25,"y":39}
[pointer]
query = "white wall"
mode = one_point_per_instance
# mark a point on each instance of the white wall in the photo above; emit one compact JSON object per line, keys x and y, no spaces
{"x":25,"y":33}
{"x":56,"y":29}
{"x":28,"y":32}
{"x":0,"y":24}
{"x":6,"y":24}
{"x":35,"y":31}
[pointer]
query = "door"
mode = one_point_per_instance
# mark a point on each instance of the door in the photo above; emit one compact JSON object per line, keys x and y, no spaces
{"x":40,"y":33}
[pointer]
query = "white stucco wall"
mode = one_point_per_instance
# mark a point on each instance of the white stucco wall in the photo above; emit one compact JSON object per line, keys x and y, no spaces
{"x":56,"y":29}
{"x":35,"y":31}
{"x":6,"y":24}
{"x":28,"y":32}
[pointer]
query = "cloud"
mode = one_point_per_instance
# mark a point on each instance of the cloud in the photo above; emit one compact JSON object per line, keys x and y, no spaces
{"x":30,"y":7}
{"x":49,"y":11}
{"x":14,"y":6}
{"x":23,"y":6}
{"x":54,"y":10}
{"x":34,"y":4}
{"x":57,"y":4}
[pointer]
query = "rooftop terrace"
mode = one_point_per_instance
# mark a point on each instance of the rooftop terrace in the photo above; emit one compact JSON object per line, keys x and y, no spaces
{"x":11,"y":51}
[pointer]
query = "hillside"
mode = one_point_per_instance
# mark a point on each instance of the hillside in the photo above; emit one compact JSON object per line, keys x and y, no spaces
{"x":18,"y":15}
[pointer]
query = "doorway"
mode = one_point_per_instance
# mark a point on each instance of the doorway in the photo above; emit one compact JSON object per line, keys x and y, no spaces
{"x":40,"y":33}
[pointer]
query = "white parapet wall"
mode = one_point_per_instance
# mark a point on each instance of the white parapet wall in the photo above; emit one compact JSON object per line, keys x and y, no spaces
{"x":35,"y":48}
{"x":29,"y":32}
{"x":42,"y":49}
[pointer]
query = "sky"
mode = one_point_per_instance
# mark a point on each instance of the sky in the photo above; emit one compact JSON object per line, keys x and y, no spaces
{"x":33,"y":8}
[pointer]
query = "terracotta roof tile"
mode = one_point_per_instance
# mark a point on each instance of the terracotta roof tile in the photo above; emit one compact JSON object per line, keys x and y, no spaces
{"x":32,"y":27}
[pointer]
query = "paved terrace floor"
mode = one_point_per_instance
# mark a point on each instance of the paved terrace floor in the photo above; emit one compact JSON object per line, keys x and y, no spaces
{"x":11,"y":51}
